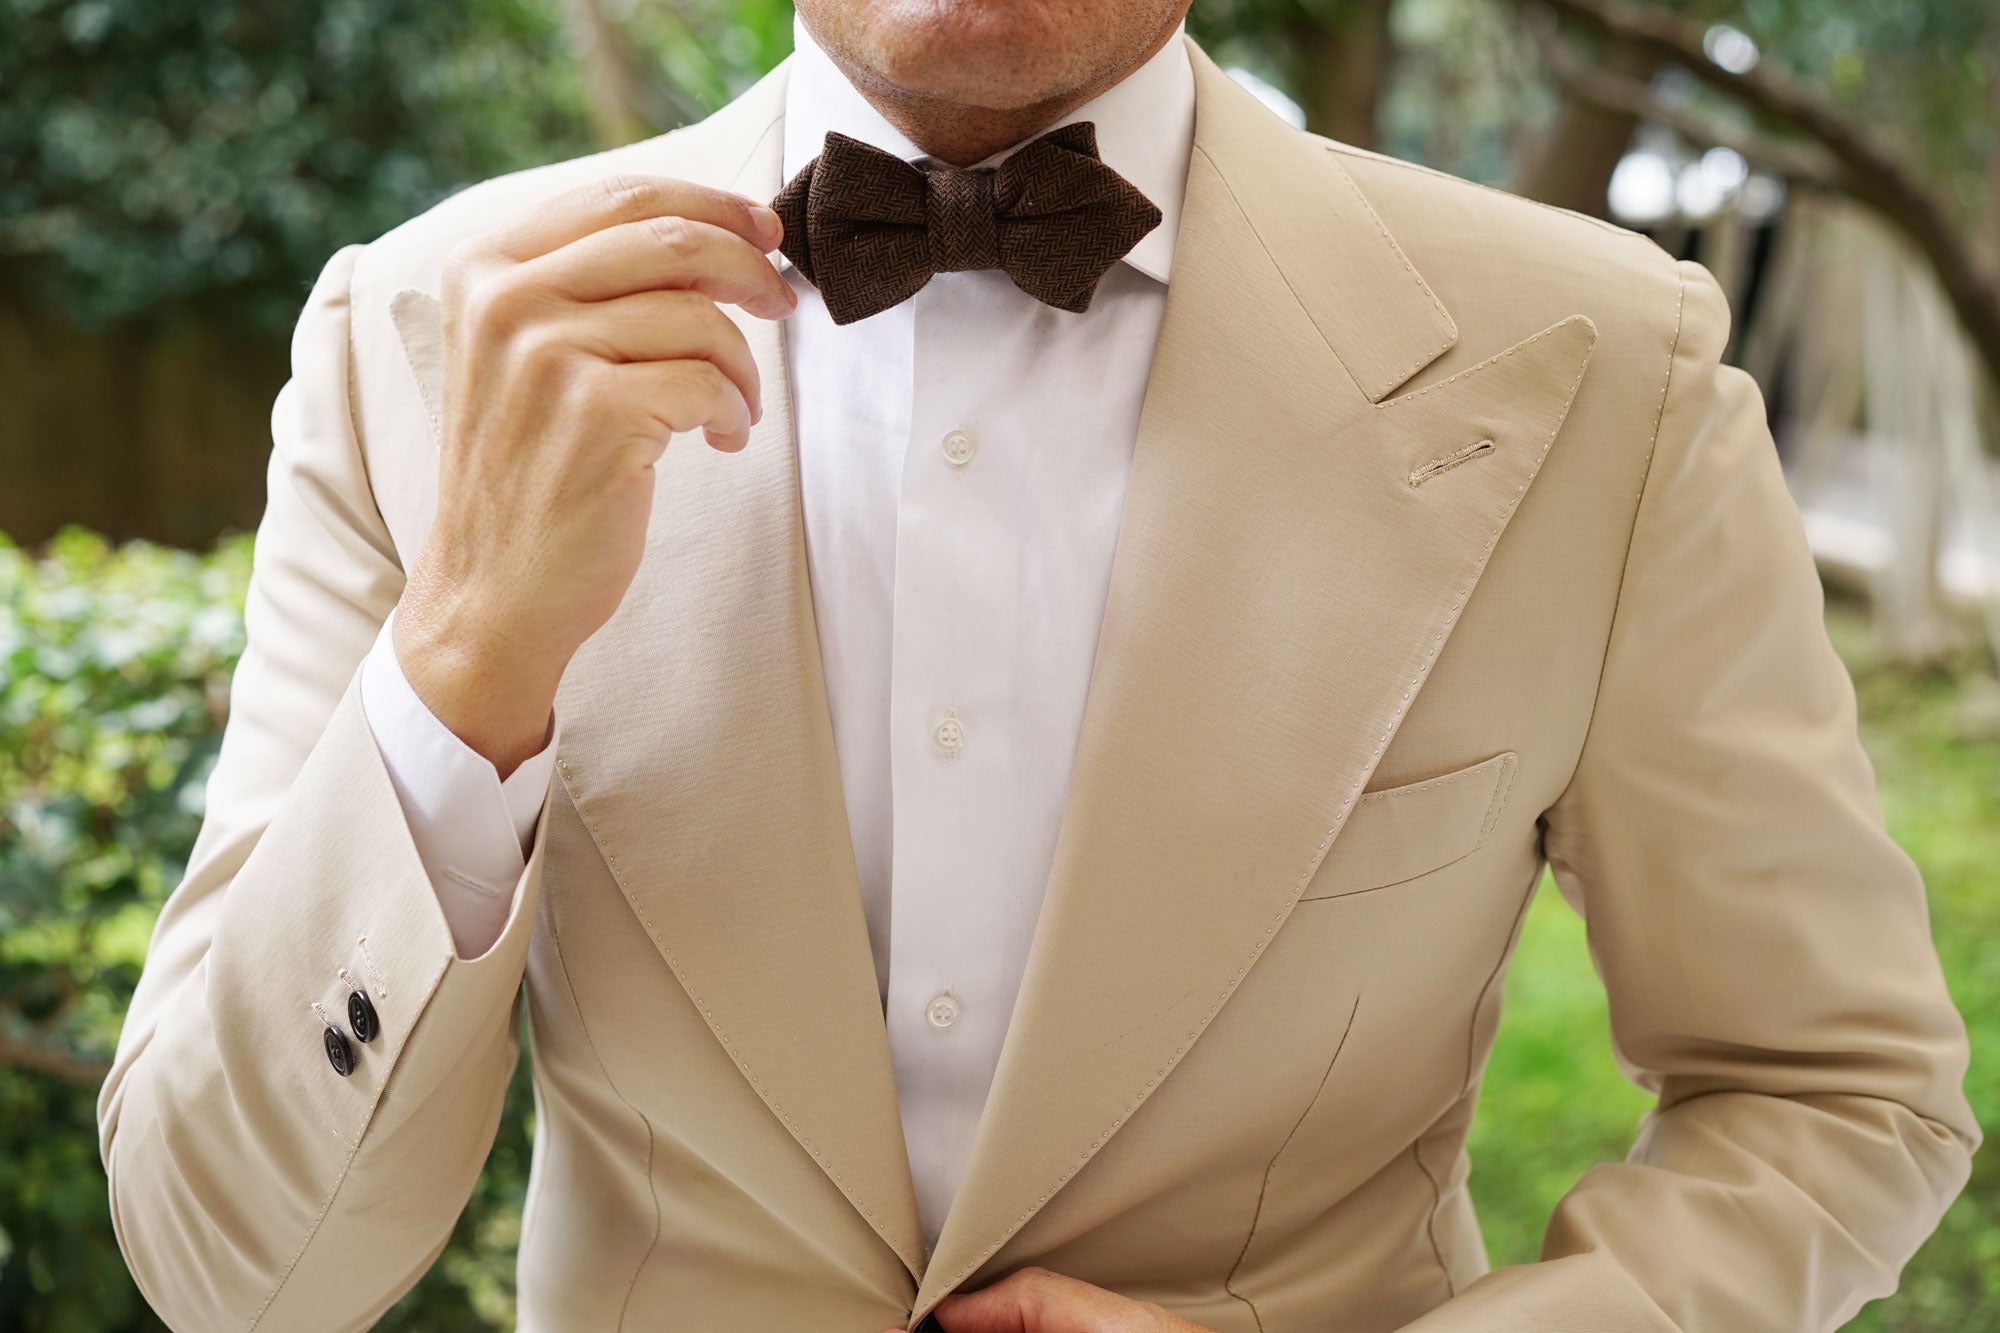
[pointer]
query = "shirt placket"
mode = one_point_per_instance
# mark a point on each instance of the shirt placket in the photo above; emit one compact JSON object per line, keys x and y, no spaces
{"x":953,"y":745}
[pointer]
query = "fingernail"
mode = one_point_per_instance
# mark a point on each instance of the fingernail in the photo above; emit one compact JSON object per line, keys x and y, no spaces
{"x":768,"y":225}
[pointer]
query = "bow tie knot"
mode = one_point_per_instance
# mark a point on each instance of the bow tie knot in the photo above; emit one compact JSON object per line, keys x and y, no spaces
{"x":869,"y":229}
{"x":959,"y":220}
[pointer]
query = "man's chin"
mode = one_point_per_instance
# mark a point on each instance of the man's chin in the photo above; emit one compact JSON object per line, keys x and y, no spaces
{"x":993,"y":55}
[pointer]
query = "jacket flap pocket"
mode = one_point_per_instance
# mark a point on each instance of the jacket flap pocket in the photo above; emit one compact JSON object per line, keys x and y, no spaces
{"x":1399,"y":833}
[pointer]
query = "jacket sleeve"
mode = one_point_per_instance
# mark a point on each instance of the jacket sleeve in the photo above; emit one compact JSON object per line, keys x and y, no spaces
{"x":1765,"y":946}
{"x":252,"y":1185}
{"x":472,"y":828}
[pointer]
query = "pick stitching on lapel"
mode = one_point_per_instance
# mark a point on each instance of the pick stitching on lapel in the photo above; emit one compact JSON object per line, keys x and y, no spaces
{"x":698,"y":750}
{"x":419,"y":320}
{"x":1279,"y":593}
{"x":1280,"y":590}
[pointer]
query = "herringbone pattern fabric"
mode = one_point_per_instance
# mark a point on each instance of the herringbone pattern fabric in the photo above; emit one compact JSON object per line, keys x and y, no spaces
{"x":869,"y":229}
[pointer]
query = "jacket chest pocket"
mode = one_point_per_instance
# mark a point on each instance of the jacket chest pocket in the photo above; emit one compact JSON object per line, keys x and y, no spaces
{"x":1399,"y":833}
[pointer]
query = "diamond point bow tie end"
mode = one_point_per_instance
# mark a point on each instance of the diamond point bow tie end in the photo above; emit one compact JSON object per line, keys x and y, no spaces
{"x":870,"y":229}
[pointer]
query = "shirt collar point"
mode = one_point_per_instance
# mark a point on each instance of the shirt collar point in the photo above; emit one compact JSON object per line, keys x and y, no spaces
{"x":1154,"y":254}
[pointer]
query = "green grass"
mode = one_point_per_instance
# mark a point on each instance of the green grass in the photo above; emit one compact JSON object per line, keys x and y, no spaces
{"x":1553,"y":1101}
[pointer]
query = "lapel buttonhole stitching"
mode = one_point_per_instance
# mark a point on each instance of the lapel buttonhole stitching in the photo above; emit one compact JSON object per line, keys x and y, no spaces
{"x":1449,"y":461}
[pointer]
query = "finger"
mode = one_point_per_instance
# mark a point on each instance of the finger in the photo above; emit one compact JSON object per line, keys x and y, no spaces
{"x":995,"y":1309}
{"x":667,"y":326}
{"x":668,"y":252}
{"x":725,"y":442}
{"x":617,"y":200}
{"x":969,"y":1314}
{"x":679,"y":396}
{"x":1035,"y":1300}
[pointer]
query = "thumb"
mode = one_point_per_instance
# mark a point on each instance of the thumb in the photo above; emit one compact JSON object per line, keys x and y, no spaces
{"x":1001,"y":1308}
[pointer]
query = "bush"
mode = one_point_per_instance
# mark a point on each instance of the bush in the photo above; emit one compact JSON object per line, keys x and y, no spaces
{"x":116,"y":665}
{"x":114,"y":675}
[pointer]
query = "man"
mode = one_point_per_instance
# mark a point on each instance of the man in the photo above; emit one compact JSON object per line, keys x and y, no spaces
{"x":1037,"y":813}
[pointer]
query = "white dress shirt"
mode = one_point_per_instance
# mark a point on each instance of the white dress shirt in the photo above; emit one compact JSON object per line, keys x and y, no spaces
{"x":962,"y":459}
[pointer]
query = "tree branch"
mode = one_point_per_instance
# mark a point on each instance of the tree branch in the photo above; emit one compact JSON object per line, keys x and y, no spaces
{"x":1572,"y":163}
{"x":1614,"y":92}
{"x":1870,"y":173}
{"x":48,"y":1060}
{"x":631,"y":97}
{"x":1343,"y":60}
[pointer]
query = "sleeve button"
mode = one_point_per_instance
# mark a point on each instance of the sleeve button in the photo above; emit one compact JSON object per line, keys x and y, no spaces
{"x":338,"y":1053}
{"x":361,"y":1016}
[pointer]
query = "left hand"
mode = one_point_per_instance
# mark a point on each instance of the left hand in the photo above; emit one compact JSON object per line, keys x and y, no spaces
{"x":1034,"y":1300}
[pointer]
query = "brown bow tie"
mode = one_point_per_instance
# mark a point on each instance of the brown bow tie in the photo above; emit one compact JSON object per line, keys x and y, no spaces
{"x":869,"y":229}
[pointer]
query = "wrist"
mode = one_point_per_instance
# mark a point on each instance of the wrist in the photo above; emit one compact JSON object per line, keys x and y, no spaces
{"x":488,"y":691}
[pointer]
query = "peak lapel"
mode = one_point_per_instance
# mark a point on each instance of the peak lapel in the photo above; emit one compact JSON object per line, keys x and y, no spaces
{"x":1295,"y":548}
{"x":698,"y":749}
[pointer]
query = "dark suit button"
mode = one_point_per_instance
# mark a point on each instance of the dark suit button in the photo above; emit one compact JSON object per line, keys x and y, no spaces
{"x":361,"y":1016}
{"x":338,"y":1053}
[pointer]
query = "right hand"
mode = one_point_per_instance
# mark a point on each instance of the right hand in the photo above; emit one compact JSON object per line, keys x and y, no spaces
{"x":576,"y":339}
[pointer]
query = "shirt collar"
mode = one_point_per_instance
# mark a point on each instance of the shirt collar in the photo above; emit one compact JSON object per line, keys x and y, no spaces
{"x":1145,"y":131}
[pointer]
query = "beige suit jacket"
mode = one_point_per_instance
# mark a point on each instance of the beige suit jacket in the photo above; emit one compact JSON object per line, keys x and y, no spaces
{"x":1449,"y":548}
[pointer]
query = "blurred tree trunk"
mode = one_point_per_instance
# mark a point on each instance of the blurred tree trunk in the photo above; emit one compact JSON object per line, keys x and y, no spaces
{"x":609,"y":73}
{"x":1573,"y":166}
{"x":1990,"y":222}
{"x":631,"y":97}
{"x":1343,"y":61}
{"x":157,"y":430}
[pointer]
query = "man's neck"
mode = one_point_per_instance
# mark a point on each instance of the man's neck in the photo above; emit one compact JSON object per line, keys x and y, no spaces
{"x":960,"y":134}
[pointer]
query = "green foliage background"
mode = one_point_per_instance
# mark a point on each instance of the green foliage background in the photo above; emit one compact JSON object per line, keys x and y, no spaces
{"x":159,"y":153}
{"x":112,"y":672}
{"x":114,"y":677}
{"x":162,"y":151}
{"x":207,"y":155}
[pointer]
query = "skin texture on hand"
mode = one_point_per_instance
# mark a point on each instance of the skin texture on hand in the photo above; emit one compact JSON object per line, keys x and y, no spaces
{"x":1034,"y":1300}
{"x":577,"y":339}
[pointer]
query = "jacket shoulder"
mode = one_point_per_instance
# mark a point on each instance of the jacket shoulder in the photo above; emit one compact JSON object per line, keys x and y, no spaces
{"x":1384,"y":171}
{"x":1507,"y":266}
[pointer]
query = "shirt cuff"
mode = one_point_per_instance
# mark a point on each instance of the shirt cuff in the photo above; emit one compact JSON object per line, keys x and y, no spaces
{"x":472,"y":831}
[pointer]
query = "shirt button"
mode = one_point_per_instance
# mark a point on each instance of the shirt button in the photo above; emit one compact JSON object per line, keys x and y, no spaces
{"x":950,"y":735}
{"x":958,"y":447}
{"x":942,"y":1011}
